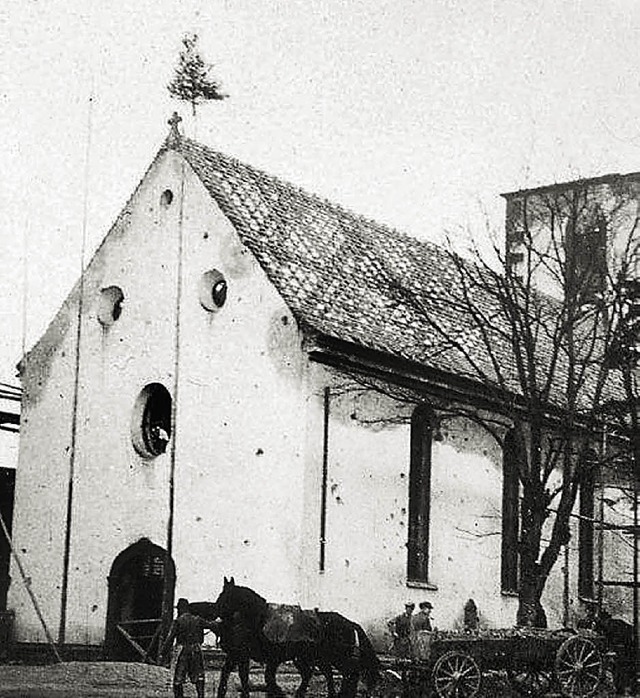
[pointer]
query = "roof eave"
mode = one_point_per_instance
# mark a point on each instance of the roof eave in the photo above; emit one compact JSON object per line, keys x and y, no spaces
{"x":560,"y":186}
{"x":428,"y":380}
{"x":409,"y":374}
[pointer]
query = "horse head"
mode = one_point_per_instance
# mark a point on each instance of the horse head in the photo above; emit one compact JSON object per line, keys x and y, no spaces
{"x":235,"y":599}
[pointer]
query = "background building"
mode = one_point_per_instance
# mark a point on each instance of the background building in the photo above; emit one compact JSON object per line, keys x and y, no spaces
{"x":581,"y":239}
{"x":9,"y":427}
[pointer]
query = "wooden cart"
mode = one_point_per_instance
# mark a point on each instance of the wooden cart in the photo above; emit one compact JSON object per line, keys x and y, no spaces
{"x":536,"y":662}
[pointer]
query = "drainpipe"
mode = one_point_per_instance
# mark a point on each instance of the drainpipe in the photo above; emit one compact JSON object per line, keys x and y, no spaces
{"x":169,"y":580}
{"x":325,"y":474}
{"x":64,"y":591}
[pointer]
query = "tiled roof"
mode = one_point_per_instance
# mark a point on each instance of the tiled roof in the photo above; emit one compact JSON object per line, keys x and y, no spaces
{"x":346,"y":276}
{"x":353,"y":279}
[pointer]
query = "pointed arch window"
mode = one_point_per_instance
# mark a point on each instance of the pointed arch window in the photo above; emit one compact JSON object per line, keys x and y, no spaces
{"x":511,"y":456}
{"x":419,"y":495}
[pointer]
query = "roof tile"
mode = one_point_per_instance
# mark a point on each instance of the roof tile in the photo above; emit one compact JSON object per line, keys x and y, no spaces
{"x":352,"y":278}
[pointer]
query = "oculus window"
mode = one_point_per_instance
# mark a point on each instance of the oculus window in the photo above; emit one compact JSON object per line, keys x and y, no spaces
{"x":151,"y":421}
{"x":166,"y":198}
{"x":110,"y":305}
{"x":213,"y":290}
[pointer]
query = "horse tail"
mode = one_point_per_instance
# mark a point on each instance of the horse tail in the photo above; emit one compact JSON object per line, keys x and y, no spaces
{"x":369,"y":662}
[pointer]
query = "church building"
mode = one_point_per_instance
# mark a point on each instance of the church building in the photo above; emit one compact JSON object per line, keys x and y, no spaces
{"x":241,"y":385}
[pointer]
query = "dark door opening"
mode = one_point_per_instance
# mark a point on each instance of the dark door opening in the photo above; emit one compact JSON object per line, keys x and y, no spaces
{"x":7,"y":488}
{"x":136,"y":590}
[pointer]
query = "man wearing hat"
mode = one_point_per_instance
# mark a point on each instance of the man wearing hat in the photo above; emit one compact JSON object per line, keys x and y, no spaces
{"x":188,"y":632}
{"x":422,"y":619}
{"x":401,"y":628}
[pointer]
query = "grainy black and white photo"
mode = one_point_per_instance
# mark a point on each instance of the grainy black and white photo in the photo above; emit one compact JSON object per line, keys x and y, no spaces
{"x":319,"y":349}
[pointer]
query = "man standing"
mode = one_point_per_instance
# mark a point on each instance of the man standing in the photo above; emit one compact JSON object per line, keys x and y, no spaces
{"x":188,"y":632}
{"x":422,"y":619}
{"x":401,"y":628}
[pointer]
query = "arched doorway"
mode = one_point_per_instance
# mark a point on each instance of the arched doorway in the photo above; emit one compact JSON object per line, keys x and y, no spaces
{"x":137,"y":582}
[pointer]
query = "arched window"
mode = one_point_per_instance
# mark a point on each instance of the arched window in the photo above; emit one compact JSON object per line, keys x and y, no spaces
{"x":511,"y":459}
{"x":419,"y":495}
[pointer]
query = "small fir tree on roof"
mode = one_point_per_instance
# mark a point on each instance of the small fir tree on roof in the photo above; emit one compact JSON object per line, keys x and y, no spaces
{"x":191,"y":82}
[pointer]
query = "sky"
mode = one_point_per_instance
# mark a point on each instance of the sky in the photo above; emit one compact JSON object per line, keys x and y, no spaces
{"x":415,"y":113}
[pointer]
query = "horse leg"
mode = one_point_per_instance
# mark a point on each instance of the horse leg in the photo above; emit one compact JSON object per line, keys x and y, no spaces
{"x":327,"y":672}
{"x":243,"y":672}
{"x":273,"y":690}
{"x":306,"y":672}
{"x":350,"y":675}
{"x":226,"y":670}
{"x":349,"y":684}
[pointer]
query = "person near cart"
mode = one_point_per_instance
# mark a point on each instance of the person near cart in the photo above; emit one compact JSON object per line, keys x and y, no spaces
{"x":422,"y":619}
{"x":401,"y":628}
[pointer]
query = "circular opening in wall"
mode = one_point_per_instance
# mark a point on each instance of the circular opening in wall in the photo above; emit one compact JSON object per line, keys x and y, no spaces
{"x":166,"y":198}
{"x":110,"y":305}
{"x":151,"y":421}
{"x":213,"y":290}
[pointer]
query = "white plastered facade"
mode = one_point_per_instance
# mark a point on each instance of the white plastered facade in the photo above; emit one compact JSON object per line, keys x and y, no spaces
{"x":251,"y":441}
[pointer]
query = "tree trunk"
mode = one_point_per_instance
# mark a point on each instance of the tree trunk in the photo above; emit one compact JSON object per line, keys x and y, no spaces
{"x":530,"y":610}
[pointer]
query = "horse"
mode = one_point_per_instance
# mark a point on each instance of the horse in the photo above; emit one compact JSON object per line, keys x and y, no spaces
{"x":346,"y":647}
{"x":253,"y":629}
{"x":619,"y":636}
{"x":235,"y":642}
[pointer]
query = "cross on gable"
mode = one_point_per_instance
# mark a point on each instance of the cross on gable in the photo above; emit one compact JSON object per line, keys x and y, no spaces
{"x":173,"y":122}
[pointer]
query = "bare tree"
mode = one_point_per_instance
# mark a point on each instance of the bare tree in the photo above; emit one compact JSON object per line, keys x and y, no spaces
{"x":550,"y":354}
{"x":624,"y":355}
{"x":546,"y":355}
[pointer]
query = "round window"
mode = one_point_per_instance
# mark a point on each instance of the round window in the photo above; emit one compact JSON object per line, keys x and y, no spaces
{"x":213,"y":290}
{"x":151,"y":421}
{"x":110,"y":305}
{"x":166,"y":198}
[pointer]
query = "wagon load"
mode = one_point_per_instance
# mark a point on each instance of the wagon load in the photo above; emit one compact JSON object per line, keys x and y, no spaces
{"x":421,"y":642}
{"x":536,"y":661}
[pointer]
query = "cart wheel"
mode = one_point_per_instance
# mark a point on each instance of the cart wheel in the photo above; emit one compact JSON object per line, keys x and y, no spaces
{"x":578,"y":667}
{"x":390,"y":685}
{"x":456,"y":675}
{"x":530,"y":681}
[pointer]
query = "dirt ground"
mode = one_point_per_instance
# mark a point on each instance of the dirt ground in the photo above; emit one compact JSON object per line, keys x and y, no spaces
{"x":117,"y":680}
{"x":120,"y":679}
